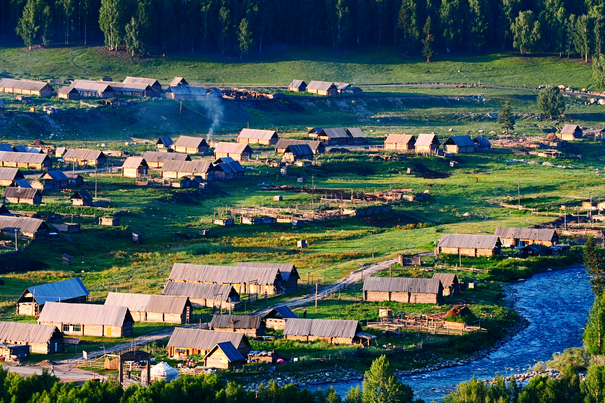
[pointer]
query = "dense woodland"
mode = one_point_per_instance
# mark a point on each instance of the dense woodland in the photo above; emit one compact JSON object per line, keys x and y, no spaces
{"x":568,"y":27}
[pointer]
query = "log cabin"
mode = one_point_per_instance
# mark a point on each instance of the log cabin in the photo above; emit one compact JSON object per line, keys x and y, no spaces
{"x":191,"y":145}
{"x":400,"y":142}
{"x":250,"y":325}
{"x":405,"y":290}
{"x":135,"y":167}
{"x":469,"y":245}
{"x":29,"y":228}
{"x":255,"y":136}
{"x":239,"y":152}
{"x":25,"y":160}
{"x":333,"y":331}
{"x":32,"y":300}
{"x":513,"y":236}
{"x":224,"y":356}
{"x":187,"y":342}
{"x":427,"y":144}
{"x":156,"y":159}
{"x":153,"y":308}
{"x":459,"y":144}
{"x":22,"y":195}
{"x":449,"y":282}
{"x":41,"y":339}
{"x":26,"y":87}
{"x":84,"y":157}
{"x":9,"y":175}
{"x":204,"y":295}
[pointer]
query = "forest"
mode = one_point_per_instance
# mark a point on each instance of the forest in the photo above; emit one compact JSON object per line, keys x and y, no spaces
{"x":240,"y":27}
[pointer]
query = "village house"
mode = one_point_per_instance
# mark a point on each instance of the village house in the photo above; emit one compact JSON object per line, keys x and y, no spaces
{"x":405,"y":290}
{"x":187,"y":342}
{"x":75,"y":179}
{"x":81,"y":198}
{"x":400,"y":142}
{"x":84,"y":157}
{"x":288,"y":272}
{"x":276,"y":318}
{"x":255,"y":136}
{"x":317,"y":147}
{"x":322,"y":88}
{"x":355,"y":135}
{"x":135,"y":167}
{"x":459,"y":144}
{"x":132,"y":89}
{"x":571,"y":133}
{"x":153,"y":308}
{"x":32,"y":300}
{"x":191,"y":145}
{"x":22,"y":195}
{"x":333,"y":331}
{"x":153,"y":83}
{"x":449,"y":281}
{"x":52,"y":180}
{"x":335,"y":136}
{"x":297,"y":86}
{"x":26,"y":87}
{"x":295,"y":152}
{"x":27,"y":149}
{"x":427,"y":144}
{"x":6,"y":148}
{"x":88,"y":319}
{"x":186,"y":93}
{"x":469,"y":245}
{"x":481,"y":143}
{"x":157,"y":159}
{"x":239,"y":152}
{"x":190,"y":169}
{"x":513,"y":236}
{"x":25,"y":160}
{"x":224,"y":356}
{"x":41,"y":339}
{"x":250,"y":325}
{"x":22,"y":183}
{"x":26,"y":227}
{"x":226,"y":169}
{"x":164,"y":143}
{"x":204,"y":294}
{"x":178,"y":81}
{"x":93,"y":89}
{"x":68,"y":92}
{"x":9,"y":175}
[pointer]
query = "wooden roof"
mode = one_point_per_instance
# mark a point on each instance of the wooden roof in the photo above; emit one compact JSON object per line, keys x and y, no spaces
{"x":193,"y":167}
{"x":296,"y":84}
{"x":165,"y":140}
{"x":21,"y":192}
{"x":217,"y":292}
{"x":322,"y":328}
{"x":356,"y":132}
{"x":204,"y":339}
{"x":28,"y":333}
{"x":400,"y":284}
{"x":81,"y":194}
{"x":427,"y":140}
{"x":400,"y":139}
{"x":67,"y":90}
{"x":191,"y":142}
{"x":198,"y":92}
{"x":85,"y":314}
{"x":534,"y":234}
{"x":232,"y":148}
{"x":27,"y":149}
{"x":25,"y":158}
{"x":236,"y":322}
{"x":24,"y":84}
{"x":148,"y":303}
{"x":83,"y":154}
{"x":257,"y":134}
{"x":57,"y":291}
{"x":7,"y":148}
{"x":281,"y":311}
{"x":23,"y":224}
{"x":10,"y":174}
{"x":299,"y":149}
{"x":447,"y":279}
{"x":320,"y":85}
{"x":91,"y":86}
{"x":228,"y":164}
{"x":156,"y":156}
{"x":178,"y":81}
{"x":141,"y":80}
{"x":134,"y":162}
{"x":225,"y":274}
{"x":334,"y":133}
{"x":313,"y":144}
{"x":482,"y":142}
{"x":571,"y":129}
{"x":467,"y":241}
{"x":286,"y":270}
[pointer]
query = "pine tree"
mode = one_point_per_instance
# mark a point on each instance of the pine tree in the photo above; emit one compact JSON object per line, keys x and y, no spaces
{"x":506,"y":118}
{"x":380,"y":384}
{"x":427,"y":40}
{"x":244,"y":36}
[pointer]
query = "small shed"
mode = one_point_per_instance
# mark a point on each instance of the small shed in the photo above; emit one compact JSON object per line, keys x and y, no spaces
{"x":135,"y":167}
{"x":295,"y":152}
{"x":224,"y":356}
{"x":469,"y":245}
{"x":459,"y":144}
{"x":333,"y":331}
{"x":427,"y":144}
{"x":81,"y":198}
{"x":164,"y":142}
{"x":53,"y":180}
{"x":227,"y":168}
{"x":449,"y":281}
{"x":22,"y":195}
{"x":400,"y":142}
{"x":153,"y":308}
{"x":109,"y":221}
{"x":250,"y":325}
{"x":187,"y":342}
{"x":10,"y":352}
{"x":355,"y":135}
{"x":203,"y":294}
{"x":68,"y":92}
{"x":255,"y":136}
{"x":297,"y":86}
{"x":571,"y":133}
{"x":32,"y":300}
{"x":405,"y":290}
{"x":276,"y":318}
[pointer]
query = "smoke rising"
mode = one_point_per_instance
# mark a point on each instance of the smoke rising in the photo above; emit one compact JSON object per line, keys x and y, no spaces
{"x":215,"y":111}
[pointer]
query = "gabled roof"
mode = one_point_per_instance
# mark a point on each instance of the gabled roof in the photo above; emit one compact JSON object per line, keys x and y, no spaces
{"x":313,"y":144}
{"x":342,"y":86}
{"x":178,"y":81}
{"x":28,"y":333}
{"x":199,"y":92}
{"x":427,"y":140}
{"x":534,"y":234}
{"x":204,"y":339}
{"x":85,"y":314}
{"x":232,"y":148}
{"x":29,"y":158}
{"x":320,"y":85}
{"x":229,"y":350}
{"x":134,"y":162}
{"x":24,"y":224}
{"x":257,"y":134}
{"x":335,"y":133}
{"x":469,"y":241}
{"x":55,"y":175}
{"x":91,"y":86}
{"x":461,"y":141}
{"x":286,"y":269}
{"x":447,"y":279}
{"x":83,"y":154}
{"x":571,"y":129}
{"x":21,"y":192}
{"x":191,"y":142}
{"x":482,"y":142}
{"x":6,"y":148}
{"x":400,"y":139}
{"x":131,"y":87}
{"x":10,"y":174}
{"x":24,"y":84}
{"x":297,"y":83}
{"x":193,"y":167}
{"x":399,"y":284}
{"x":229,"y":165}
{"x":23,"y":183}
{"x":322,"y":327}
{"x":67,"y":90}
{"x":4,"y":210}
{"x":299,"y":149}
{"x":218,"y":292}
{"x":225,"y":274}
{"x":148,"y":303}
{"x":58,"y":291}
{"x":27,"y":149}
{"x":356,"y":132}
{"x":236,"y":322}
{"x":165,"y":140}
{"x":81,"y":194}
{"x":141,"y":80}
{"x":156,"y":156}
{"x":281,"y":311}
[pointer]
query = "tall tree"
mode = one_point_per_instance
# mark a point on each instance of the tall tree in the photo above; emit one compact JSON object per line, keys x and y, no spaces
{"x":69,"y":8}
{"x":407,"y":23}
{"x":111,"y":15}
{"x":225,"y":27}
{"x":244,"y":36}
{"x":526,"y":32}
{"x":595,"y":264}
{"x":506,"y":119}
{"x":583,"y":36}
{"x":594,"y":332}
{"x":452,"y":21}
{"x":476,"y":22}
{"x":28,"y":23}
{"x":343,"y":23}
{"x":427,"y":40}
{"x":593,"y":387}
{"x":551,"y":101}
{"x":132,"y":38}
{"x":380,"y":384}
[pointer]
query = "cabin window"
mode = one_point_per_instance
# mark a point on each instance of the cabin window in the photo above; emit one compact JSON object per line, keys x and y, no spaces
{"x":76,"y":328}
{"x":66,"y":328}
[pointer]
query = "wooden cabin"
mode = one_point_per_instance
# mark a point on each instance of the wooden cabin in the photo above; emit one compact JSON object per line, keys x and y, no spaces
{"x":151,"y":82}
{"x":481,"y":143}
{"x":135,"y":167}
{"x":316,"y":147}
{"x":85,"y":157}
{"x":405,"y":290}
{"x":250,"y":325}
{"x":186,"y":93}
{"x":25,"y":160}
{"x":41,"y":339}
{"x":81,"y":198}
{"x":254,"y":136}
{"x":297,"y":86}
{"x":400,"y":143}
{"x":187,"y":342}
{"x":427,"y":144}
{"x":571,"y":133}
{"x":28,"y":228}
{"x":288,"y":272}
{"x":191,"y":145}
{"x":188,"y":169}
{"x":511,"y":237}
{"x":8,"y":176}
{"x":26,"y":87}
{"x":295,"y":152}
{"x":227,"y":168}
{"x":355,"y":136}
{"x":178,"y":81}
{"x":68,"y":92}
{"x":93,"y":89}
{"x":88,"y":319}
{"x":22,"y":195}
{"x":333,"y":331}
{"x":469,"y":245}
{"x":449,"y":281}
{"x":157,"y":159}
{"x":334,"y":136}
{"x":52,"y":180}
{"x":276,"y":318}
{"x":132,"y":89}
{"x":322,"y":88}
{"x":75,"y":179}
{"x":153,"y":308}
{"x":164,"y":143}
{"x":203,"y":294}
{"x":459,"y":144}
{"x":224,"y":356}
{"x":239,"y":152}
{"x":32,"y":300}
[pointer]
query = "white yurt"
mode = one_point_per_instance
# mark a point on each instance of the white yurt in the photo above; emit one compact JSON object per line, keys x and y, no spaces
{"x":164,"y":371}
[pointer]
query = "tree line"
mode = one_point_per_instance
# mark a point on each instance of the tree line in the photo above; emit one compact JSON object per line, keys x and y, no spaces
{"x":568,"y":27}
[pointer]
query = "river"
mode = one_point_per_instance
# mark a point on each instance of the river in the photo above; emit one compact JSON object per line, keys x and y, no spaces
{"x":555,"y":304}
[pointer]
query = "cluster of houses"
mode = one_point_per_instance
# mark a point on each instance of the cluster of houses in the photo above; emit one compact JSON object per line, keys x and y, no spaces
{"x":430,"y":144}
{"x":325,"y":88}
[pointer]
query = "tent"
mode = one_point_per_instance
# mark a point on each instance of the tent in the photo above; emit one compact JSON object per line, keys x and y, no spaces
{"x":164,"y":371}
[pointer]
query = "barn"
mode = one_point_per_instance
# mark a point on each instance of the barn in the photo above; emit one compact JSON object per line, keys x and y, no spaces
{"x":88,"y":319}
{"x":25,"y":160}
{"x":135,"y":167}
{"x":427,"y":144}
{"x":41,"y":339}
{"x":164,"y":142}
{"x":513,"y":236}
{"x":295,"y":152}
{"x":250,"y":325}
{"x":204,"y":294}
{"x":157,"y":159}
{"x":153,"y":308}
{"x":68,"y":93}
{"x":186,"y":93}
{"x":224,"y":356}
{"x":152,"y":82}
{"x":316,"y":147}
{"x":335,"y":136}
{"x":32,"y":300}
{"x":571,"y":133}
{"x":29,"y":228}
{"x":322,"y":88}
{"x":22,"y":195}
{"x":53,"y":180}
{"x":84,"y":157}
{"x":187,"y":342}
{"x":9,"y":175}
{"x":355,"y":135}
{"x":400,"y":142}
{"x":449,"y":281}
{"x":459,"y":144}
{"x":93,"y":89}
{"x":226,"y":168}
{"x":239,"y":152}
{"x":81,"y":198}
{"x":469,"y":245}
{"x":405,"y":290}
{"x":297,"y":86}
{"x":276,"y":318}
{"x":191,"y":145}
{"x":255,"y":136}
{"x":26,"y":87}
{"x":196,"y":168}
{"x":288,"y":272}
{"x":333,"y":331}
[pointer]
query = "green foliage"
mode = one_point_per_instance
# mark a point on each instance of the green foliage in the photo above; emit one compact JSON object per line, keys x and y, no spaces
{"x":244,"y":36}
{"x":574,"y":357}
{"x":598,"y":70}
{"x":506,"y":118}
{"x":595,"y":263}
{"x":380,"y":385}
{"x":28,"y":23}
{"x":593,"y":387}
{"x":526,"y":32}
{"x":551,"y":102}
{"x":477,"y":392}
{"x":594,"y":333}
{"x":427,"y":40}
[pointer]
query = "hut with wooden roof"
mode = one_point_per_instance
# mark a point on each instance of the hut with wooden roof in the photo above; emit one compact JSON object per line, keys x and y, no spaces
{"x":41,"y":339}
{"x":355,"y":135}
{"x":32,"y":300}
{"x":333,"y":331}
{"x":187,"y":342}
{"x":135,"y":167}
{"x":186,"y":93}
{"x":84,"y":157}
{"x":322,"y":88}
{"x":52,"y":180}
{"x":239,"y":152}
{"x":571,"y":133}
{"x":153,"y":308}
{"x":297,"y":86}
{"x":81,"y":198}
{"x":22,"y":195}
{"x":26,"y":87}
{"x":295,"y":152}
{"x":469,"y":245}
{"x":459,"y":144}
{"x":400,"y":142}
{"x":256,"y":136}
{"x":250,"y":325}
{"x":289,"y":273}
{"x":514,"y":236}
{"x":449,"y":281}
{"x":152,"y":82}
{"x":316,"y":147}
{"x":191,"y":145}
{"x":157,"y":159}
{"x":88,"y":319}
{"x":481,"y":143}
{"x":190,"y":169}
{"x":164,"y":143}
{"x":427,"y":144}
{"x":334,"y":136}
{"x":276,"y":318}
{"x":26,"y":227}
{"x":227,"y":168}
{"x":204,"y":294}
{"x":405,"y":290}
{"x":178,"y":81}
{"x":25,"y":160}
{"x":68,"y":92}
{"x":9,"y":175}
{"x":132,"y":89}
{"x":224,"y":356}
{"x":93,"y":89}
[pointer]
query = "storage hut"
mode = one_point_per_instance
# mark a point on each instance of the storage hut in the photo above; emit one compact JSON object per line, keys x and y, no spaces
{"x":405,"y":290}
{"x":68,"y":92}
{"x":157,"y":159}
{"x":481,"y":143}
{"x":322,"y":88}
{"x":295,"y":152}
{"x":297,"y":86}
{"x":333,"y":331}
{"x":227,"y":168}
{"x":204,"y":294}
{"x":25,"y":160}
{"x":316,"y":147}
{"x":26,"y":87}
{"x":178,"y":81}
{"x":32,"y":300}
{"x":512,"y":236}
{"x":250,"y":325}
{"x":41,"y":339}
{"x":81,"y":198}
{"x":191,"y":145}
{"x":152,"y":82}
{"x":153,"y":308}
{"x":224,"y":356}
{"x":53,"y":180}
{"x":134,"y":89}
{"x":469,"y":245}
{"x":135,"y":167}
{"x":239,"y":152}
{"x":276,"y":318}
{"x":84,"y":157}
{"x":164,"y":143}
{"x":93,"y":89}
{"x":88,"y":319}
{"x":400,"y":142}
{"x":255,"y":136}
{"x":22,"y":195}
{"x":449,"y":281}
{"x":288,"y":272}
{"x":9,"y":175}
{"x":355,"y":135}
{"x":335,"y":136}
{"x":571,"y":133}
{"x":181,"y":169}
{"x":459,"y":144}
{"x":186,"y":93}
{"x":427,"y":144}
{"x":29,"y":228}
{"x":188,"y":342}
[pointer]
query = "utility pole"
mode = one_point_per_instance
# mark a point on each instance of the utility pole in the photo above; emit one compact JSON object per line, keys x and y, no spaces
{"x":316,"y":288}
{"x":16,"y":240}
{"x":519,"y":193}
{"x":96,"y":175}
{"x":372,"y":246}
{"x":180,"y":110}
